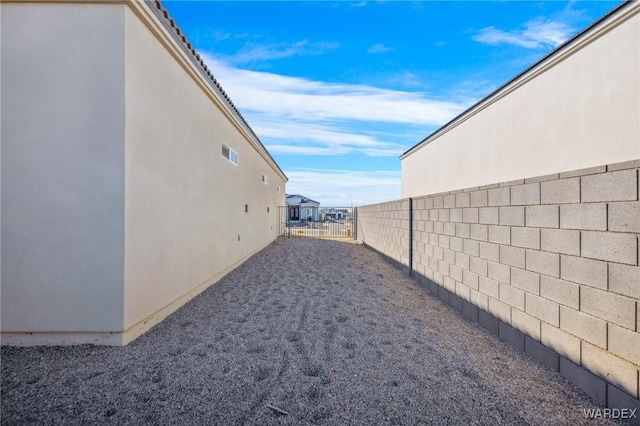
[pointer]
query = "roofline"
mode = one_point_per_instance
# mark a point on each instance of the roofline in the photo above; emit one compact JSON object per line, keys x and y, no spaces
{"x":301,"y":196}
{"x":180,"y":39}
{"x":619,"y":14}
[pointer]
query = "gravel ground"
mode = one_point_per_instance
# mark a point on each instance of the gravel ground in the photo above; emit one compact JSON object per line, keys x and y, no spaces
{"x":326,"y":331}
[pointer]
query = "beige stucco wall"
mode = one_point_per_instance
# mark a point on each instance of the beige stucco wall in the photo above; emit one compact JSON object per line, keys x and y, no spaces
{"x":117,"y":205}
{"x":579,"y":108}
{"x":185,"y":203}
{"x":62,"y":102}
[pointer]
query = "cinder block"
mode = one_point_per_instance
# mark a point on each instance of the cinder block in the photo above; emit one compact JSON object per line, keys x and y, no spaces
{"x":450,"y":284}
{"x":463,"y":230}
{"x":479,"y":232}
{"x":481,"y":300}
{"x":509,"y":255}
{"x":455,"y":302}
{"x":471,"y":247}
{"x":624,"y":343}
{"x":438,"y":202}
{"x":470,"y":279}
{"x":489,"y":322}
{"x":499,"y":234}
{"x":499,"y":272}
{"x":613,"y":369}
{"x":443,"y":241}
{"x":433,"y":215}
{"x":525,"y":280}
{"x":591,"y":384}
{"x":455,"y":215}
{"x":478,"y":199}
{"x":488,"y":215}
{"x":608,"y":306}
{"x":631,"y":164}
{"x":625,"y":280}
{"x":462,"y":260}
{"x":470,"y":311}
{"x":443,"y":215}
{"x":584,"y":271}
{"x":564,"y":292}
{"x":617,"y":398}
{"x":499,"y":196}
{"x":470,"y":215}
{"x":525,"y":237}
{"x":479,"y":266}
{"x":462,"y":199}
{"x":489,"y":287}
{"x":613,"y":186}
{"x":438,"y":253}
{"x":544,"y":309}
{"x":543,"y":178}
{"x":490,"y":251}
{"x":455,"y":243}
{"x":449,"y":201}
{"x":511,"y":336}
{"x":525,"y":194}
{"x":611,"y":246}
{"x":513,"y":215}
{"x":449,"y":256}
{"x":584,"y":326}
{"x":543,"y":262}
{"x":525,"y":323}
{"x":499,"y":310}
{"x":566,"y":241}
{"x":455,"y":272}
{"x":624,"y":217}
{"x":560,"y":341}
{"x":588,"y":216}
{"x":583,"y":172}
{"x":512,"y":296}
{"x":541,"y":353}
{"x":560,"y":191}
{"x":438,"y":227}
{"x":544,"y":216}
{"x":449,"y":228}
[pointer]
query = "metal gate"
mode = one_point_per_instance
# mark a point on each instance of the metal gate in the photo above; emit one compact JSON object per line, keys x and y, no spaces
{"x":318,"y":222}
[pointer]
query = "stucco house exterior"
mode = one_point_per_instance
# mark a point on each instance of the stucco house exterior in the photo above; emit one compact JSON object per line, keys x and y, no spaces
{"x":130,"y":181}
{"x":301,"y":208}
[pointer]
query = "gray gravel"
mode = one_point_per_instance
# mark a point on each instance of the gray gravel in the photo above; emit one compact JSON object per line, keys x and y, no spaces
{"x":326,"y":331}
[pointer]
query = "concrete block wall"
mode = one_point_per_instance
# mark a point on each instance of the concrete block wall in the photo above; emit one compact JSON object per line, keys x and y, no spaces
{"x":553,"y":258}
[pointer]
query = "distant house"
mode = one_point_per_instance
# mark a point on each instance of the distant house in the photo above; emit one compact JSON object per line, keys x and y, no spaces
{"x":333,"y":213}
{"x":301,"y":208}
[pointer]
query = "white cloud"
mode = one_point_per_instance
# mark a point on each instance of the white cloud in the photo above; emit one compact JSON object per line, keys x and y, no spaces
{"x":343,"y":188}
{"x":253,"y":52}
{"x":537,"y":33}
{"x":378,"y":48}
{"x":294,"y":115}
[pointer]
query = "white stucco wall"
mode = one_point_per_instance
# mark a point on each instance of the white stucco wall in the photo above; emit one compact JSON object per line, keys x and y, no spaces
{"x":62,"y":103}
{"x":117,"y":205}
{"x":185,"y":203}
{"x":582,"y":111}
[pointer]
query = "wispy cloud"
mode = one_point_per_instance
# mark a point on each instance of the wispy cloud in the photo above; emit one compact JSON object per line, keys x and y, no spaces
{"x":378,"y":48}
{"x":537,"y":33}
{"x":254,"y":52}
{"x":343,"y":188}
{"x":295,"y":115}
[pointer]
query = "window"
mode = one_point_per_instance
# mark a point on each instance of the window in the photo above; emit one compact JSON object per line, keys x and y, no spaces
{"x":278,"y":188}
{"x":265,"y":179}
{"x":230,"y":154}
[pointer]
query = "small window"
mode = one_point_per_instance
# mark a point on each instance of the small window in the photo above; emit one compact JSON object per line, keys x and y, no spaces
{"x":230,"y":154}
{"x":265,"y":179}
{"x":278,"y":188}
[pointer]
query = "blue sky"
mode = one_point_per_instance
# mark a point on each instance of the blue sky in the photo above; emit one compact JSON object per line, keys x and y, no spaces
{"x":337,"y":90}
